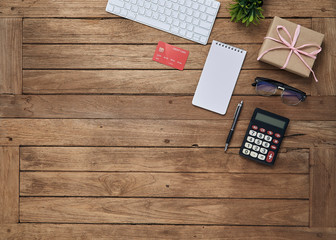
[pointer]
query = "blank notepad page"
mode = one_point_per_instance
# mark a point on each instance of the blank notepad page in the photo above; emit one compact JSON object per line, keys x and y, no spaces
{"x":219,"y":77}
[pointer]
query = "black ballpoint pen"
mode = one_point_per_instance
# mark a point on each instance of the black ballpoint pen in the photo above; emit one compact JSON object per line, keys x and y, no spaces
{"x":235,"y":119}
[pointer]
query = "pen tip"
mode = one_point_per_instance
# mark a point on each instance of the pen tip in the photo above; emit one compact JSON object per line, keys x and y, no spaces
{"x":226,"y":147}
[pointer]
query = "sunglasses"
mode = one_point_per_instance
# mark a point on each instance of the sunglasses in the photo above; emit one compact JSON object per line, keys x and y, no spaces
{"x":268,"y":87}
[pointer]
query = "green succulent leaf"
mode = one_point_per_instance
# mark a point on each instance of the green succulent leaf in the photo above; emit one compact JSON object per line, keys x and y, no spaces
{"x":246,"y":11}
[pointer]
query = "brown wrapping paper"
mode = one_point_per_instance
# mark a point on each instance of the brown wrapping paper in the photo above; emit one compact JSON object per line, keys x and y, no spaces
{"x":278,"y":57}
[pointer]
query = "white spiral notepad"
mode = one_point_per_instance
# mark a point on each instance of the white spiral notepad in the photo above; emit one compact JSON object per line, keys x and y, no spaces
{"x":219,"y":77}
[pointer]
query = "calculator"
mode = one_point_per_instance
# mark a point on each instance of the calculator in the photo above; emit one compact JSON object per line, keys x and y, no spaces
{"x":263,"y":136}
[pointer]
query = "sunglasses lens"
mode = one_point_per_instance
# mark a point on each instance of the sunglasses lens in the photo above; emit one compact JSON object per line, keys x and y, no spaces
{"x":291,"y":97}
{"x":265,"y":88}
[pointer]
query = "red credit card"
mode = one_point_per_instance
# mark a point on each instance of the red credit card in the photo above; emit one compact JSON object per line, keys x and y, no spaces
{"x":170,"y":55}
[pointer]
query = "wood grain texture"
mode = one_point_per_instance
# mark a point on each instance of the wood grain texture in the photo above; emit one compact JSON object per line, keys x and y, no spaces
{"x":102,"y":30}
{"x":153,"y":107}
{"x":326,"y":61}
{"x":124,"y":132}
{"x":155,"y":160}
{"x":69,"y":56}
{"x":199,"y":185}
{"x":93,"y":231}
{"x":10,"y":55}
{"x":9,"y":185}
{"x":323,"y":187}
{"x":165,"y":211}
{"x":141,"y":81}
{"x":59,"y":8}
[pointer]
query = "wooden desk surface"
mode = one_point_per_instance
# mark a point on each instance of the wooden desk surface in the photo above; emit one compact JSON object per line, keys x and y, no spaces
{"x":97,"y":141}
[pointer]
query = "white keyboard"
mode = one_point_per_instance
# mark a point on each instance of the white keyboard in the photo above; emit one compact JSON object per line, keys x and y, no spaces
{"x":190,"y":19}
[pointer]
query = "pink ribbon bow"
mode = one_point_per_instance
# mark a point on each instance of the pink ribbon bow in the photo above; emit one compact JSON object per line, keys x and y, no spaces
{"x":291,"y":45}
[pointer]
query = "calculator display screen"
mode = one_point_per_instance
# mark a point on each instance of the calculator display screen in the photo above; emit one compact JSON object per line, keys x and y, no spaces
{"x":270,"y":120}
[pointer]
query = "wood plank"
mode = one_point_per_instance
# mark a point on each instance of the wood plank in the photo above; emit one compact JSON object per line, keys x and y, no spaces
{"x":165,"y":211}
{"x":199,"y":185}
{"x":326,"y":61}
{"x":156,"y":160}
{"x":59,"y":8}
{"x":9,"y":185}
{"x":101,"y":30}
{"x":143,"y":82}
{"x":29,"y":231}
{"x":153,"y":107}
{"x":10,"y":55}
{"x":323,"y":187}
{"x":124,"y":132}
{"x":70,"y":56}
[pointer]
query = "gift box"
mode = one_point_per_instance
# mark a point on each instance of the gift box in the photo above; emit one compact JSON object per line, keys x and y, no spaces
{"x":291,"y":47}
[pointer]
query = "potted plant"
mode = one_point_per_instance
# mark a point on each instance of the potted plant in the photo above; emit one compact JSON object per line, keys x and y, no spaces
{"x":246,"y":11}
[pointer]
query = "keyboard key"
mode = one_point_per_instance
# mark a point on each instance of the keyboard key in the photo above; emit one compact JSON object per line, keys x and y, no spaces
{"x":117,"y":10}
{"x":203,"y":39}
{"x":258,"y":141}
{"x":141,"y":10}
{"x":134,"y":8}
{"x":189,"y":12}
{"x":188,"y":19}
{"x":183,"y":9}
{"x":190,"y":27}
{"x":183,"y":25}
{"x":174,"y":30}
{"x":253,"y":154}
{"x":151,"y":21}
{"x":128,"y":6}
{"x":248,"y":145}
{"x":195,"y":21}
{"x":263,"y":150}
{"x":188,"y":3}
{"x":211,"y":19}
{"x":196,"y":14}
{"x":167,"y":12}
{"x":260,"y":135}
{"x":201,"y":31}
{"x":162,"y":18}
{"x":169,"y":4}
{"x":118,"y":3}
{"x":211,"y":11}
{"x":208,"y":2}
{"x":130,"y":15}
{"x":261,"y":157}
{"x":147,"y":5}
{"x":265,"y":144}
{"x":205,"y":24}
{"x":123,"y":12}
{"x":155,"y":15}
{"x":250,"y":139}
{"x":169,"y":20}
{"x":182,"y":32}
{"x":203,"y":16}
{"x":252,"y":133}
{"x":154,"y":7}
{"x":175,"y":7}
{"x":268,"y":138}
{"x":215,"y":4}
{"x":161,"y":9}
{"x":256,"y":148}
{"x":195,"y":5}
{"x":182,"y":16}
{"x":176,"y":22}
{"x":246,"y":151}
{"x":189,"y":35}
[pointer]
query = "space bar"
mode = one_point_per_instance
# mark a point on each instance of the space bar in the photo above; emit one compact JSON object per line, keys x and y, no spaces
{"x":153,"y":22}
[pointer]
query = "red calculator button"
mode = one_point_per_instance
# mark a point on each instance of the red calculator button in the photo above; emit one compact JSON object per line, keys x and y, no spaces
{"x":275,"y":141}
{"x":273,"y":147}
{"x":270,"y":156}
{"x":262,"y":130}
{"x":269,"y":132}
{"x":254,"y":127}
{"x":277,"y":135}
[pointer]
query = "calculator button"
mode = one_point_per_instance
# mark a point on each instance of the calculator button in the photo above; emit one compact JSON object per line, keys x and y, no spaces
{"x":262,"y":130}
{"x":256,"y":148}
{"x":265,"y":144}
{"x":270,"y":156}
{"x":268,"y":138}
{"x":252,"y":133}
{"x":258,"y":141}
{"x":248,"y":145}
{"x":260,"y":135}
{"x":269,"y":132}
{"x":254,"y":127}
{"x":261,"y":157}
{"x":273,"y":147}
{"x":263,"y":150}
{"x":250,"y":139}
{"x":253,"y":154}
{"x":277,"y":135}
{"x":275,"y":141}
{"x":246,"y":151}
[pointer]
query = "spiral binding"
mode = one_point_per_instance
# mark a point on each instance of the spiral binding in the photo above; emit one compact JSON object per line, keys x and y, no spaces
{"x":229,"y":47}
